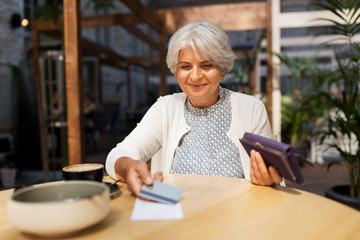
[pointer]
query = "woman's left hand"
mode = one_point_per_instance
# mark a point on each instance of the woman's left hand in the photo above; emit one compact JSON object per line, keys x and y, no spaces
{"x":259,"y":173}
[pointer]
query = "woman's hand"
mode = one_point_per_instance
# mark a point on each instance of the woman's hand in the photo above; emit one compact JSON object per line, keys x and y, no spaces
{"x":135,"y":173}
{"x":259,"y":173}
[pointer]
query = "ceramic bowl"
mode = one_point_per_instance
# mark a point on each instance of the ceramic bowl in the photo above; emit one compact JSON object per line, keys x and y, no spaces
{"x":84,"y":171}
{"x":58,"y":209}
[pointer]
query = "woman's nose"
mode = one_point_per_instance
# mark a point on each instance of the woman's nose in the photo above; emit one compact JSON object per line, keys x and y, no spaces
{"x":195,"y":74}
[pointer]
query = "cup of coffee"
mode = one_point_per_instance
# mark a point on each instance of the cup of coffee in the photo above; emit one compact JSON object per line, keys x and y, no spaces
{"x":84,"y":171}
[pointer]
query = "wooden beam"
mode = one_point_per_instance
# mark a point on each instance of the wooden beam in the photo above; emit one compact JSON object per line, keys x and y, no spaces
{"x":127,"y":19}
{"x":93,"y":47}
{"x":239,"y":16}
{"x":41,"y":116}
{"x":142,"y":59}
{"x":142,"y":36}
{"x":44,"y":26}
{"x":244,"y":53}
{"x":123,"y":19}
{"x":74,"y":81}
{"x":154,"y":19}
{"x":269,"y":63}
{"x":86,"y":44}
{"x":110,"y":54}
{"x":112,"y":63}
{"x":253,"y":74}
{"x":259,"y":39}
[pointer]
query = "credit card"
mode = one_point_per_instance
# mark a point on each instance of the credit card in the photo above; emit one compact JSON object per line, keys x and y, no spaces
{"x":161,"y":192}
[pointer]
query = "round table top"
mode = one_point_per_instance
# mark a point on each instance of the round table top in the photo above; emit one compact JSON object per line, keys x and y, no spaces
{"x":221,"y":208}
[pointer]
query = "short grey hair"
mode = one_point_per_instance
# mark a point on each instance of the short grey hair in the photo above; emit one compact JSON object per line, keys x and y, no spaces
{"x":211,"y":42}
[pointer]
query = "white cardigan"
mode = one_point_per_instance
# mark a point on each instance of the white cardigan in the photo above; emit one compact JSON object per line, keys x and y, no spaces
{"x":160,"y":130}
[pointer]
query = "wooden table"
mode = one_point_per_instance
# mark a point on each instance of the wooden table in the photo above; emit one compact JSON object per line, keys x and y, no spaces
{"x":222,"y":208}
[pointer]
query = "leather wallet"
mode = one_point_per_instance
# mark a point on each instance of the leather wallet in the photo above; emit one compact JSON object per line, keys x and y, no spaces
{"x":279,"y":155}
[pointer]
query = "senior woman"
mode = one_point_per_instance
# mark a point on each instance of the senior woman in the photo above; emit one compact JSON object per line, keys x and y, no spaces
{"x":196,"y":131}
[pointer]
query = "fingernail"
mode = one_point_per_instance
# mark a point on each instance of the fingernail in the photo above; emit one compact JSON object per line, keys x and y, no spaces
{"x":148,"y":179}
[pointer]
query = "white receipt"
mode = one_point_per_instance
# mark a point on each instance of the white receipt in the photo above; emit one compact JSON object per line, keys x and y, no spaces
{"x":149,"y":211}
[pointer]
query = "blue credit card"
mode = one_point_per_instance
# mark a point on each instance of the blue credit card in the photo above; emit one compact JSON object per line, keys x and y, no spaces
{"x":161,"y":192}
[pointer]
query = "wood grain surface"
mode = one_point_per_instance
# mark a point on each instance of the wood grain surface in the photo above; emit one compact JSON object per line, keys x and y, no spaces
{"x":221,"y":208}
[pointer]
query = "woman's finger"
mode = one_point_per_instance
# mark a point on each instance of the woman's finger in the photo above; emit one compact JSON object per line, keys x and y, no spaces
{"x":261,"y":166}
{"x":158,"y":176}
{"x":138,"y":175}
{"x":259,"y":172}
{"x":275,"y":175}
{"x":254,"y":171}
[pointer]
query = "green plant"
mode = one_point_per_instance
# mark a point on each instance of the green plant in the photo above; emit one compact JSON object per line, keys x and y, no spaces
{"x":342,"y":121}
{"x":297,"y":113}
{"x":243,"y":71}
{"x":293,"y":121}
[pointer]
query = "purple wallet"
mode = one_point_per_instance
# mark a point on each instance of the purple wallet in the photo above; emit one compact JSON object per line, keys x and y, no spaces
{"x":279,"y":155}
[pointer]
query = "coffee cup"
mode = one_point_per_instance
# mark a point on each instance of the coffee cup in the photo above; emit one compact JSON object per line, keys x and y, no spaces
{"x":84,"y":171}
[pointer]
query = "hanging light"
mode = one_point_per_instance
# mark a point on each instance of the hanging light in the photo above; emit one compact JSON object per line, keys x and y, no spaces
{"x":24,"y":22}
{"x":16,"y":21}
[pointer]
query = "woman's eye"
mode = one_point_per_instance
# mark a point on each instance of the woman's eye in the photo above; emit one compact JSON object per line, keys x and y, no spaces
{"x":185,"y":67}
{"x":207,"y":66}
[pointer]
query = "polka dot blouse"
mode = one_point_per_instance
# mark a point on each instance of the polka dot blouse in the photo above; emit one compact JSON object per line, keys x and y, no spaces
{"x":206,"y":149}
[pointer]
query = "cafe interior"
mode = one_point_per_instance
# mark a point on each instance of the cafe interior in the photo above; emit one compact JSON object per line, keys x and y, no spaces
{"x":58,"y":59}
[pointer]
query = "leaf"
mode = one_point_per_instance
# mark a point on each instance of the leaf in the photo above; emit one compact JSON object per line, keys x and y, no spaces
{"x":331,"y":9}
{"x":354,"y":12}
{"x":336,"y":23}
{"x":330,"y":164}
{"x":355,"y":28}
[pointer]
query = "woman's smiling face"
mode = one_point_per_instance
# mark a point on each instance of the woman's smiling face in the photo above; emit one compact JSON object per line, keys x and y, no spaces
{"x":198,"y":78}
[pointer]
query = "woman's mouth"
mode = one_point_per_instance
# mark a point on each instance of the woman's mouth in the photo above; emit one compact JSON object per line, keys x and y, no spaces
{"x":197,"y":85}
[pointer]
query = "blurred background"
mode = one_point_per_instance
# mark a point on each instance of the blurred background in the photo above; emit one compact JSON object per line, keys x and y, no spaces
{"x":122,"y":75}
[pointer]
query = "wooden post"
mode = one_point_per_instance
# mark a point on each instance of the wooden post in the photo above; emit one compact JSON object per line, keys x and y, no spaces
{"x":269,"y":57}
{"x":162,"y":50}
{"x":275,"y":47}
{"x":74,"y":81}
{"x":41,"y":116}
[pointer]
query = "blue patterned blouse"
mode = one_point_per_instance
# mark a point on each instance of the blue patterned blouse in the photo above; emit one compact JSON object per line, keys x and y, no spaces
{"x":206,"y":149}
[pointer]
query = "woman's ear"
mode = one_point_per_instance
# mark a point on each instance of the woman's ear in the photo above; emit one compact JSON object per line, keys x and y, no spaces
{"x":223,"y":74}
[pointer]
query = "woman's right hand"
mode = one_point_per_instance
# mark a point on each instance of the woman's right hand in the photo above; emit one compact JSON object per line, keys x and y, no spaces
{"x":260,"y":174}
{"x":135,"y":173}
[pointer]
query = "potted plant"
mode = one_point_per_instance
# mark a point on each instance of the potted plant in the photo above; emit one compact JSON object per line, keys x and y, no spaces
{"x":342,"y":119}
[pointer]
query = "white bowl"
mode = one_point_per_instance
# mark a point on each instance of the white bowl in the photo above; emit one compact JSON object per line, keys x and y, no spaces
{"x":60,"y":208}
